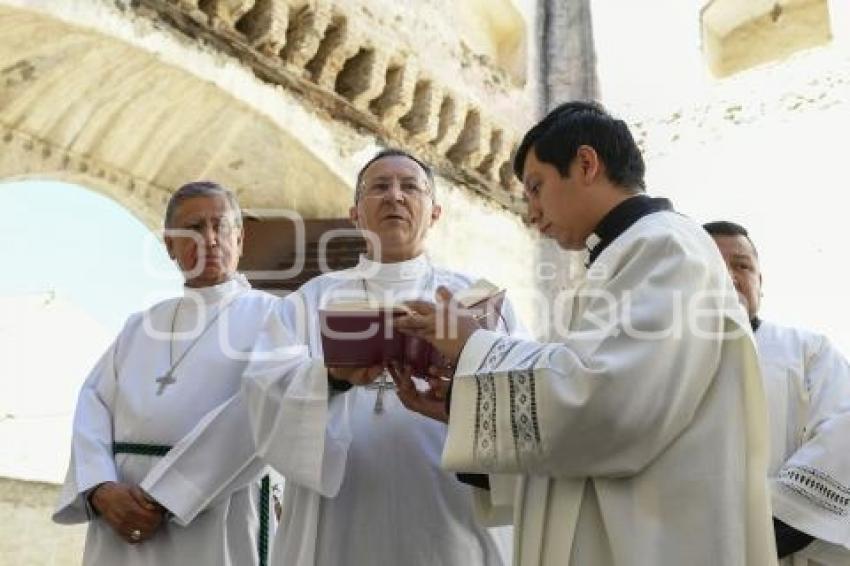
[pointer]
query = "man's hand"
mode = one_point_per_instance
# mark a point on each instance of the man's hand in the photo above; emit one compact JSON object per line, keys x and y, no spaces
{"x":128,"y":510}
{"x":432,"y":402}
{"x":356,"y":376}
{"x":446,"y":324}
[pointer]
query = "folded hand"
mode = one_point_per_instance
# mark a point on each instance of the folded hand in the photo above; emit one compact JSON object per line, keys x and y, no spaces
{"x":431,"y":402}
{"x":128,"y":510}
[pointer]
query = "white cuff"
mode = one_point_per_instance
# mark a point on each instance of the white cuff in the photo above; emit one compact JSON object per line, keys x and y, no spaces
{"x":794,"y":510}
{"x":475,"y":350}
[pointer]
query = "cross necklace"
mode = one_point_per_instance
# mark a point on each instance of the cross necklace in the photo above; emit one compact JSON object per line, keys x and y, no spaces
{"x":168,"y":378}
{"x":383,"y":383}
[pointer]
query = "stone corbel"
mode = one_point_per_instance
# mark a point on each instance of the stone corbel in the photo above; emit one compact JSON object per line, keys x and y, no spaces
{"x":265,"y":26}
{"x":363,"y":77}
{"x":422,"y":121}
{"x":473,"y":143}
{"x":308,"y":28}
{"x":452,"y":121}
{"x":398,"y":96}
{"x":339,"y":45}
{"x":224,"y":14}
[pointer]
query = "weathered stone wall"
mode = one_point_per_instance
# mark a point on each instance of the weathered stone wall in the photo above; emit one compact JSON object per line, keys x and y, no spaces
{"x":472,"y":235}
{"x":737,"y":36}
{"x":379,"y":66}
{"x":27,"y":535}
{"x":763,"y":146}
{"x":570,"y":57}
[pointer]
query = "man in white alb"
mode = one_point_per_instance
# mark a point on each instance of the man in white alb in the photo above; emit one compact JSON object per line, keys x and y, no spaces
{"x":807,"y":382}
{"x":642,"y":432}
{"x":364,"y":484}
{"x":147,"y":402}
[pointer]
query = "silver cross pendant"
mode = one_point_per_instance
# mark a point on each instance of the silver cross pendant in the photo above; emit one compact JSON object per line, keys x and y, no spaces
{"x":164,"y":382}
{"x":382,"y":386}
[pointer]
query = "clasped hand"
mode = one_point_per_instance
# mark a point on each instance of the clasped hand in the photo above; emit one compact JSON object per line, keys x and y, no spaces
{"x":131,"y":513}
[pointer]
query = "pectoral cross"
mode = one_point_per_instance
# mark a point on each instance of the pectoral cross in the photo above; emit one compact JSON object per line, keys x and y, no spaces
{"x":383,"y":385}
{"x":164,"y":382}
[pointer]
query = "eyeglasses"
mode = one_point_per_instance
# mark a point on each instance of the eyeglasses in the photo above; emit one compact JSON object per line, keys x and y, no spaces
{"x":223,"y":226}
{"x":409,"y":188}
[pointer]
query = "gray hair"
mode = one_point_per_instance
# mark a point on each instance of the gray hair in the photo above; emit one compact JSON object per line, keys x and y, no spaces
{"x":202,"y":189}
{"x":395,"y":152}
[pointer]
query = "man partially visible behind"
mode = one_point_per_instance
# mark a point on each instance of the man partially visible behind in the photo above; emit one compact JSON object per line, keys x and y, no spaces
{"x":807,"y":382}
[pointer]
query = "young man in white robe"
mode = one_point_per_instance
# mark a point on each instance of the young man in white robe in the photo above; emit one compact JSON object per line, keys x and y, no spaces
{"x":642,"y":432}
{"x":807,"y":382}
{"x":364,"y":484}
{"x":173,"y":368}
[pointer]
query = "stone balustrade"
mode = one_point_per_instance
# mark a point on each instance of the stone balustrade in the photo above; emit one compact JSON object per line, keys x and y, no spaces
{"x":340,"y":63}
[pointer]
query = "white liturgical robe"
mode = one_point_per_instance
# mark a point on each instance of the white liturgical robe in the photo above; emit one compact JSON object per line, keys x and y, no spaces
{"x":119,"y":403}
{"x":643,"y":434}
{"x":362,"y":488}
{"x":807,"y":382}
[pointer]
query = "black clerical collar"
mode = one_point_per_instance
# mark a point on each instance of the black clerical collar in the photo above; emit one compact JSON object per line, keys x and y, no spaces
{"x":755,"y":322}
{"x":621,"y":217}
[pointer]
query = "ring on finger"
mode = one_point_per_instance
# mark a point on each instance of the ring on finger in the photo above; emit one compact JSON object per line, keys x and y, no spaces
{"x":136,"y":534}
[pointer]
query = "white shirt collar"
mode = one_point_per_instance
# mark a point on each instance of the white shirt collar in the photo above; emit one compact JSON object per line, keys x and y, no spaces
{"x":215,"y":293}
{"x":398,"y":271}
{"x":592,"y":241}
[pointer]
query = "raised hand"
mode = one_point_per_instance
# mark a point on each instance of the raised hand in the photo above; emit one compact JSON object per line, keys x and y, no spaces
{"x":128,"y":510}
{"x":446,"y":324}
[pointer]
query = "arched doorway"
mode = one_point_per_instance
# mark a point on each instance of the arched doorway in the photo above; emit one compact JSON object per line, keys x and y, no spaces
{"x":75,"y":265}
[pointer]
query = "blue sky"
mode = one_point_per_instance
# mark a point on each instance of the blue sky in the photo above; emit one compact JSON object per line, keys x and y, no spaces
{"x":82,"y":245}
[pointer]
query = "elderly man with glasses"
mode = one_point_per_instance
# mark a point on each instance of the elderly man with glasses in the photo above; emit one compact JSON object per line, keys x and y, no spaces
{"x":150,"y":450}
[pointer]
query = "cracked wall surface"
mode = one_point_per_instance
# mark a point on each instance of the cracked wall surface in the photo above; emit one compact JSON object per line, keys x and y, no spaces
{"x":27,"y":536}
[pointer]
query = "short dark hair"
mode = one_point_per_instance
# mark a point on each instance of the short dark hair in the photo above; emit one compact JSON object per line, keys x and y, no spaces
{"x":201,"y":189}
{"x":557,"y":137}
{"x":727,"y":228}
{"x":395,"y":152}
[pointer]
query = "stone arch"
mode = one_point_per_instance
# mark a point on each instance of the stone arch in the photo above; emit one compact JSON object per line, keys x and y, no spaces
{"x":138,"y":200}
{"x":76,"y":104}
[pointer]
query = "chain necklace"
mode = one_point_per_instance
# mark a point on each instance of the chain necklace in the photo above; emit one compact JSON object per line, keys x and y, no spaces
{"x":168,"y":378}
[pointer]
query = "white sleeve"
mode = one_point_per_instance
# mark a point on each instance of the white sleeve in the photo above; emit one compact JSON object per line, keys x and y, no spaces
{"x":812,"y":489}
{"x":92,"y":461}
{"x":298,"y":426}
{"x":607,"y":400}
{"x":205,"y":467}
{"x":216,"y":458}
{"x":494,"y":507}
